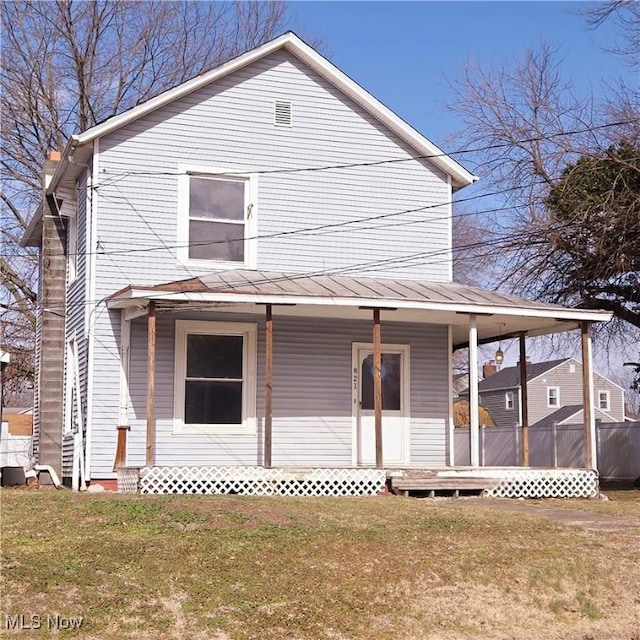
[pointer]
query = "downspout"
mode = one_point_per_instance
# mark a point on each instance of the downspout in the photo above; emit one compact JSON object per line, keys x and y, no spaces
{"x":92,"y":185}
{"x":52,"y":473}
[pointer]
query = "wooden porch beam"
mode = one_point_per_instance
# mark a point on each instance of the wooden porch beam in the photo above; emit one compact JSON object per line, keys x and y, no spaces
{"x":377,"y":385}
{"x":151,"y":385}
{"x":268,"y":391}
{"x":590,"y":458}
{"x":524,"y":408}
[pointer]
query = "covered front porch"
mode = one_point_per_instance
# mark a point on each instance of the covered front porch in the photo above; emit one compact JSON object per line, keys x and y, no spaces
{"x":380,"y":355}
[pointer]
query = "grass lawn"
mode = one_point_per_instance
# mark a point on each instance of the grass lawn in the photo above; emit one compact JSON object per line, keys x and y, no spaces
{"x":227,"y":567}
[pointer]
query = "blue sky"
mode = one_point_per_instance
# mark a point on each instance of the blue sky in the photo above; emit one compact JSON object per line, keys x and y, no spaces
{"x":402,"y":52}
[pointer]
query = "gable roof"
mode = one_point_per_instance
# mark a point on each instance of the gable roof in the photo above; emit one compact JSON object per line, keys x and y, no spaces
{"x":290,"y":42}
{"x":559,"y":416}
{"x":509,"y":377}
{"x":564,"y":414}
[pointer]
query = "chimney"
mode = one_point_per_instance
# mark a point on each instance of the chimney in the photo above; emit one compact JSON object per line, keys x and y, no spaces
{"x":50,"y":166}
{"x":527,"y":361}
{"x":489,"y":368}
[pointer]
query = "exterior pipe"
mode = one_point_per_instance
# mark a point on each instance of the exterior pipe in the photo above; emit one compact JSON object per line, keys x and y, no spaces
{"x":52,"y":472}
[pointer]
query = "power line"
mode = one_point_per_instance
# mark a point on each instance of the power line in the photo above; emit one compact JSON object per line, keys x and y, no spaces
{"x":397,"y":261}
{"x":308,"y":230}
{"x":386,"y":161}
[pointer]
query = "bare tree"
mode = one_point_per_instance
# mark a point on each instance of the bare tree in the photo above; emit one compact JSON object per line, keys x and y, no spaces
{"x":626,"y":15}
{"x":569,"y":168}
{"x":69,"y":64}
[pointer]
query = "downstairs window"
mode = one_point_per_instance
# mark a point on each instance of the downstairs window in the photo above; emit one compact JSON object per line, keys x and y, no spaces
{"x":215,"y":377}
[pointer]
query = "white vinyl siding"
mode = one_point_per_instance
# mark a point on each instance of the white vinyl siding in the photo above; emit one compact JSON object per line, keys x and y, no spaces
{"x":230,"y":125}
{"x":76,"y":309}
{"x":312,"y":397}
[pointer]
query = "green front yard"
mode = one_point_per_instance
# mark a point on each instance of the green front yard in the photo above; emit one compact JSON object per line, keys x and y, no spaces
{"x":230,"y":567}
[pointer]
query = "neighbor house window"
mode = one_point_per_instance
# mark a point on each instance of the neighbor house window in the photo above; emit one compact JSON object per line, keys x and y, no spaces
{"x":553,"y":396}
{"x":217,"y":218}
{"x":603,"y":400}
{"x":215,"y":377}
{"x":508,"y":400}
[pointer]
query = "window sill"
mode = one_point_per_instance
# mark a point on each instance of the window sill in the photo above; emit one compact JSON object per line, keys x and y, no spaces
{"x":214,"y":265}
{"x":214,"y":430}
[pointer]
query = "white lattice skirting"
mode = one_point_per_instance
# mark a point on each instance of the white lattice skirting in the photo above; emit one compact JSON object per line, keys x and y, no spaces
{"x":535,"y":483}
{"x":128,"y":479}
{"x":258,"y":481}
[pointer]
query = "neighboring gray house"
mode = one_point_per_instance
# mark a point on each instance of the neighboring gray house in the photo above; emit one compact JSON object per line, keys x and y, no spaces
{"x":223,"y":265}
{"x":554,"y":395}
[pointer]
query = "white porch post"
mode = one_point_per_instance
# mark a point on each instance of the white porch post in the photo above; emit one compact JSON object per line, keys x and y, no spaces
{"x":474,"y":439}
{"x":123,"y":413}
{"x":590,"y":457}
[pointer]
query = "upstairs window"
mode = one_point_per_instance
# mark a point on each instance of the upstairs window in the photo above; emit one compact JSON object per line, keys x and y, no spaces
{"x":604,"y":400}
{"x":217,"y":220}
{"x":508,"y":400}
{"x":553,"y":397}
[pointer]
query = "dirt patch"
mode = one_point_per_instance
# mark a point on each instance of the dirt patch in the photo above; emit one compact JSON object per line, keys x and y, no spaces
{"x":569,"y":517}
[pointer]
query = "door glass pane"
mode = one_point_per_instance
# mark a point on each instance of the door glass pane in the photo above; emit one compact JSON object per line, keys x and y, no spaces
{"x":213,"y":402}
{"x":391,"y":382}
{"x":214,"y":198}
{"x":214,"y":356}
{"x":216,"y":241}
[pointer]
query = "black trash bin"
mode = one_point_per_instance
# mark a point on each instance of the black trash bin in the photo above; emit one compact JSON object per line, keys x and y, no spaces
{"x":12,"y":477}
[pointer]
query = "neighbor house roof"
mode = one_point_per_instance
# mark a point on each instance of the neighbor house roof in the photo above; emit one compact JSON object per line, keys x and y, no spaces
{"x":509,"y":377}
{"x":405,"y":300}
{"x":564,"y":414}
{"x":559,"y":416}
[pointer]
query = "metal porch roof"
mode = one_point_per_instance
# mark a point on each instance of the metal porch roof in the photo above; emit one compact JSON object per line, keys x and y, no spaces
{"x":405,"y":300}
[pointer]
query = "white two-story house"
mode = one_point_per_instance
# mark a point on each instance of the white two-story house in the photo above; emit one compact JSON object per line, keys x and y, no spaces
{"x":233,"y":261}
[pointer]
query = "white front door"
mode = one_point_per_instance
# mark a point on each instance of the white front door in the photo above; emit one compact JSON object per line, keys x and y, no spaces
{"x":395,"y":404}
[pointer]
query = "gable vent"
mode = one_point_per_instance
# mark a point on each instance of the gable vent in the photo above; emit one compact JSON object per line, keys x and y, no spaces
{"x":282,"y":113}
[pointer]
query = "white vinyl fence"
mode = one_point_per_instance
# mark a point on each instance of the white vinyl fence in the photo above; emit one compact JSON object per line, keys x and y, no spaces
{"x":618,"y":448}
{"x":15,"y":451}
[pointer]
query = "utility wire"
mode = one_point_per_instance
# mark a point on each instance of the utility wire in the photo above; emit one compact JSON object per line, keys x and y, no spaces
{"x":398,"y":261}
{"x":385,"y":161}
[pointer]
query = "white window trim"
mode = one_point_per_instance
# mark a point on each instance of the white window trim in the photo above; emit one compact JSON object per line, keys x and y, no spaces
{"x":249,"y":332}
{"x":250,"y":210}
{"x":557,"y":405}
{"x":607,"y":394}
{"x":72,"y":248}
{"x":509,"y":397}
{"x":71,"y":380}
